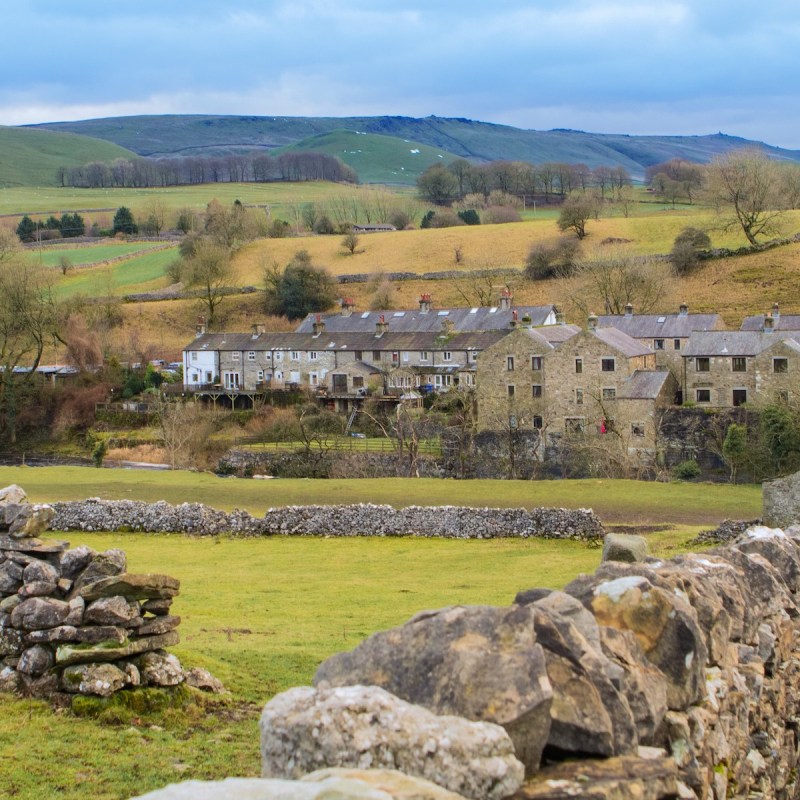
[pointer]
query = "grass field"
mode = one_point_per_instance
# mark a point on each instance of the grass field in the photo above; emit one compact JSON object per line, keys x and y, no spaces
{"x":262,"y":613}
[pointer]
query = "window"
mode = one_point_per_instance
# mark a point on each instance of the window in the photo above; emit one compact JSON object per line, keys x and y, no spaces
{"x":395,"y":356}
{"x":637,"y":429}
{"x":376,"y":355}
{"x":195,"y":378}
{"x":405,"y":355}
{"x":359,"y":354}
{"x":510,"y":363}
{"x":739,"y":364}
{"x":312,"y":355}
{"x":510,"y":389}
{"x":537,"y":389}
{"x":193,"y":356}
{"x":573,"y":424}
{"x":676,"y":344}
{"x":609,"y":394}
{"x":703,"y":395}
{"x":358,"y":381}
{"x":260,"y":375}
{"x":780,"y":366}
{"x":473,"y":355}
{"x":658,"y":344}
{"x":579,"y":397}
{"x":209,"y":377}
{"x":537,"y":422}
{"x":423,"y":356}
{"x":235,"y":356}
{"x":313,"y":378}
{"x":231,"y":380}
{"x":702,"y":364}
{"x":739,"y":397}
{"x":251,"y":356}
{"x":608,"y":364}
{"x":578,"y":365}
{"x":536,"y":363}
{"x":295,"y":355}
{"x":447,"y":356}
{"x":278,"y":355}
{"x":468,"y":378}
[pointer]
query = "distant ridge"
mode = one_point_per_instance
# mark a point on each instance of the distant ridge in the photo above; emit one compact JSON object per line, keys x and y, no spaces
{"x":172,"y":135}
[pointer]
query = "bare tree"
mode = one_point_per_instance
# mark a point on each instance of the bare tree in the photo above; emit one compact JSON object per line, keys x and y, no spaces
{"x":747,"y":183}
{"x":209,"y":268}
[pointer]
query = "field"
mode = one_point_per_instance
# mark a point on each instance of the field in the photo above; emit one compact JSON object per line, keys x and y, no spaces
{"x":278,"y":606}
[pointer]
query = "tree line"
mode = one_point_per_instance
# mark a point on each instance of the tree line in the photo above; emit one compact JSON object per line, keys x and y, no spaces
{"x":143,"y":173}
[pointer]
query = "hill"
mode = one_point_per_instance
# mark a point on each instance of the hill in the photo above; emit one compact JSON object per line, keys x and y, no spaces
{"x":375,"y":157}
{"x":30,"y":157}
{"x":170,"y":135}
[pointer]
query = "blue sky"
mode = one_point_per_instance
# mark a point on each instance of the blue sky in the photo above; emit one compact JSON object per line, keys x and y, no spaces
{"x":654,"y":67}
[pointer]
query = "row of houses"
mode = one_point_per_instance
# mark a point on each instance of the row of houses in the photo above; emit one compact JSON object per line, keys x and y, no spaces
{"x":529,"y":368}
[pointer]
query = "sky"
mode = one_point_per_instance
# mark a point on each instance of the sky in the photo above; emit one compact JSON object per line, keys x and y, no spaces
{"x":678,"y":67}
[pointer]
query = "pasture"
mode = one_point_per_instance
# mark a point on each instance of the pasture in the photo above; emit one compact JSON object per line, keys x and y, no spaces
{"x":261,"y":614}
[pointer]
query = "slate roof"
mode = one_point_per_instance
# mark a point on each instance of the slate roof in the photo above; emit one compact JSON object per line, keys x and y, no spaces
{"x":643,"y":385}
{"x":658,"y":326}
{"x":781,"y":322}
{"x":405,"y":320}
{"x":227,"y":342}
{"x":734,"y":343}
{"x":621,"y":341}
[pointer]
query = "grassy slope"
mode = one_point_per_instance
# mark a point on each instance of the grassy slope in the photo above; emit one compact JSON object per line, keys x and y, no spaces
{"x":376,"y":159}
{"x":31,"y":157}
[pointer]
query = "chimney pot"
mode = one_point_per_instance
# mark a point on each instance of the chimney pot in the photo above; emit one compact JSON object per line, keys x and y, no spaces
{"x":683,"y":309}
{"x":629,"y":309}
{"x":592,"y":322}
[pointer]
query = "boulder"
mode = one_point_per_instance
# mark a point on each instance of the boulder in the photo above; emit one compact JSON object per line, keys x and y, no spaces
{"x":110,"y":611}
{"x":366,"y":727}
{"x":202,"y":679}
{"x":31,"y":522}
{"x":12,"y":494}
{"x":76,"y":560}
{"x":100,"y":679}
{"x":624,"y":547}
{"x":102,"y":565}
{"x":396,"y":784}
{"x":160,"y":669}
{"x":138,"y":587}
{"x":502,"y":675}
{"x":111,"y":650}
{"x":36,"y":660}
{"x":38,"y":613}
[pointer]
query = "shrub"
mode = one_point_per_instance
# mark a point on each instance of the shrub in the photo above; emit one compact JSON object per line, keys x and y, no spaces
{"x":686,"y":470}
{"x":469,"y":216}
{"x":686,"y":249}
{"x":499,"y":215}
{"x":551,"y":258}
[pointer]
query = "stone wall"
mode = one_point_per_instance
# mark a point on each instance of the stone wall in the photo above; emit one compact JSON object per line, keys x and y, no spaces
{"x":782,"y":500}
{"x":74,"y":621}
{"x":363,"y":519}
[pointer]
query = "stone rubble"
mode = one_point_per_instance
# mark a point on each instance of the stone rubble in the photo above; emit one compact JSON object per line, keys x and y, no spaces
{"x":75,"y":621}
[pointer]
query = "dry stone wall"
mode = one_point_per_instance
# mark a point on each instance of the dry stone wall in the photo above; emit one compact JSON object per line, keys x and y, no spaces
{"x":74,"y":620}
{"x":363,"y":519}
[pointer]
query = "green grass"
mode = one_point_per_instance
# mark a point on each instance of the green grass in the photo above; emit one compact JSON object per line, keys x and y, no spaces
{"x":136,"y":274}
{"x":84,"y":255}
{"x":616,"y":501}
{"x":262,"y":613}
{"x":32,"y":157}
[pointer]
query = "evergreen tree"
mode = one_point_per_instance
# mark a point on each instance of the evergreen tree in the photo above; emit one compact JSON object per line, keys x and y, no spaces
{"x":124,"y":221}
{"x":26,"y":230}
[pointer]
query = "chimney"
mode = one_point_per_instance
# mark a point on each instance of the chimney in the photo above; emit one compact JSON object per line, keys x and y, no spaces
{"x":258,"y":329}
{"x":381,"y":326}
{"x":448,"y":326}
{"x":347,"y":306}
{"x":683,"y":308}
{"x":769,"y":323}
{"x":592,"y":322}
{"x":628,"y":309}
{"x":506,"y":296}
{"x":514,"y":317}
{"x":425,"y":303}
{"x":319,"y":325}
{"x":776,"y":311}
{"x":200,"y":328}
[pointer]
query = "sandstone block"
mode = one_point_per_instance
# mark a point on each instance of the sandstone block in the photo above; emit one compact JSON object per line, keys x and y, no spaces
{"x":112,"y":650}
{"x":138,"y":587}
{"x":624,"y":547}
{"x":160,"y":669}
{"x":99,"y":679}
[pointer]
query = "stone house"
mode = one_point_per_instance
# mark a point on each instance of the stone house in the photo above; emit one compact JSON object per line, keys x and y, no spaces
{"x":667,"y":335}
{"x":726,"y":369}
{"x":779,"y":322}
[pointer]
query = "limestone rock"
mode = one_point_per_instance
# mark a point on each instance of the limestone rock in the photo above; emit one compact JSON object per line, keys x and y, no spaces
{"x":199,"y":678}
{"x":37,"y":589}
{"x":38,"y":613}
{"x":103,"y":565}
{"x":62,"y":633}
{"x":40,"y":571}
{"x":75,"y":560}
{"x":502,"y":676}
{"x":100,"y":679}
{"x":396,"y":784}
{"x":10,"y":577}
{"x":305,"y":729}
{"x":10,"y":641}
{"x":160,"y":669}
{"x":152,"y":625}
{"x":12,"y":494}
{"x":139,"y":587}
{"x":624,"y":547}
{"x":34,"y":520}
{"x":36,"y":660}
{"x":114,"y":610}
{"x":112,"y":650}
{"x":10,"y":680}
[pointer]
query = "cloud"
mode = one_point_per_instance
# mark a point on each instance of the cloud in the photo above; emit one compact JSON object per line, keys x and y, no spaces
{"x":622,"y":66}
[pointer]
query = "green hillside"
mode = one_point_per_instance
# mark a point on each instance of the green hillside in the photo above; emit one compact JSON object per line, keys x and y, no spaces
{"x":31,"y":157}
{"x":477,"y":141}
{"x":376,"y":158}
